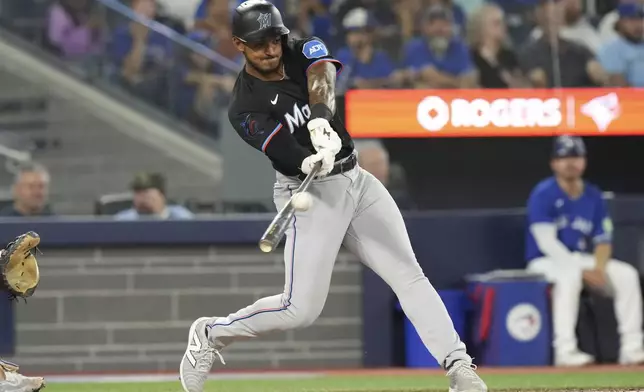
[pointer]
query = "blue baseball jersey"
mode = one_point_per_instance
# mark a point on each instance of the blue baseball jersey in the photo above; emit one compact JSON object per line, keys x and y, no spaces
{"x":455,"y":61}
{"x":581,"y":223}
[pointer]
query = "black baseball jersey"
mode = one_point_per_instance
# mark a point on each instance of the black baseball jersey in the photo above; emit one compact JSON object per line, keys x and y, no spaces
{"x":272,"y":115}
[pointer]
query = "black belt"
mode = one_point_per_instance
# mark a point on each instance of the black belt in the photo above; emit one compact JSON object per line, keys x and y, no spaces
{"x":342,"y":166}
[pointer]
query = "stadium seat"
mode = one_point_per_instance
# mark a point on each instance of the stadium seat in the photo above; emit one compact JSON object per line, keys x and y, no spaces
{"x":113,"y":203}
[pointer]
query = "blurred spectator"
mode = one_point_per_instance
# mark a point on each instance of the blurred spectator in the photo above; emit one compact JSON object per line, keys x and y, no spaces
{"x":364,"y":65}
{"x":30,"y":193}
{"x":608,"y":24}
{"x":439,"y":59}
{"x":576,"y":26}
{"x":143,"y":56}
{"x":553,"y":61}
{"x":150,"y":200}
{"x":214,"y":30}
{"x":460,"y":19}
{"x":315,"y":19}
{"x":166,"y":18}
{"x":497,"y":64}
{"x":381,"y":10}
{"x":216,"y":21}
{"x":73,"y":32}
{"x":180,"y":10}
{"x":205,"y":85}
{"x":374,"y":158}
{"x":470,"y":6}
{"x":623,"y":58}
{"x":409,"y":18}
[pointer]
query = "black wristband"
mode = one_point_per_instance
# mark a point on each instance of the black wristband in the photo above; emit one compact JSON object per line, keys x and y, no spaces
{"x":320,"y":110}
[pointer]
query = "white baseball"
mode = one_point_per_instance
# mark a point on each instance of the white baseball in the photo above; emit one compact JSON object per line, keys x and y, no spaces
{"x":302,"y":201}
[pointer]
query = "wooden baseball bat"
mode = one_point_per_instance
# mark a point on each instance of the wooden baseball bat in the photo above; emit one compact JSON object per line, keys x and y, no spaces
{"x":275,"y":231}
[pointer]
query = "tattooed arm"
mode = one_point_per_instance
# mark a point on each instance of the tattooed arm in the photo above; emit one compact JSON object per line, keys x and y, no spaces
{"x":321,"y":85}
{"x":321,"y":70}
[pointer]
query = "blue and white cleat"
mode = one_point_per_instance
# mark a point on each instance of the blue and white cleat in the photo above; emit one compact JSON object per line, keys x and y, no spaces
{"x":198,"y":358}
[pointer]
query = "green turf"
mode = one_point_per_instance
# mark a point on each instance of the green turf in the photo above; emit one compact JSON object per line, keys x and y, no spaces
{"x":523,"y":382}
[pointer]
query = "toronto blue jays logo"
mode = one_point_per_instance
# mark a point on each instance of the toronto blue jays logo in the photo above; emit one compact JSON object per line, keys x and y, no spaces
{"x":251,"y":128}
{"x":264,"y":21}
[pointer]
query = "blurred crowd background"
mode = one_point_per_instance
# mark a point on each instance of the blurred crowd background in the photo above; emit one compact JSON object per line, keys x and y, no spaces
{"x":175,"y":57}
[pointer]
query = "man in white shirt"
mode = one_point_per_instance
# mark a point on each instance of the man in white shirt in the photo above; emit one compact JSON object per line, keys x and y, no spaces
{"x":608,"y":24}
{"x":577,"y":28}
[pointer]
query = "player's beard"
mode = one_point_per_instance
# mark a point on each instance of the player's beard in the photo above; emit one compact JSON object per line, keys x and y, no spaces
{"x":263,"y":70}
{"x":634,"y":38}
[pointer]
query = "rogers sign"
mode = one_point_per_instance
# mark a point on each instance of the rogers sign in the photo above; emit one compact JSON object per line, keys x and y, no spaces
{"x":434,"y":113}
{"x":494,"y":112}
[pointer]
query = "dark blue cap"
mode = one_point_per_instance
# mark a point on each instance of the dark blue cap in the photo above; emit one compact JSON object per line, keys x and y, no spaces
{"x":630,"y":10}
{"x":568,"y":146}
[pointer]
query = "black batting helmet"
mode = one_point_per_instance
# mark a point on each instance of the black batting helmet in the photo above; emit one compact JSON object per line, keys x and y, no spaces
{"x":256,"y":20}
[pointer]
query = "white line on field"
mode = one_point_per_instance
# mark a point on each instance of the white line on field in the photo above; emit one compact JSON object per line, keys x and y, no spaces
{"x":175,"y":377}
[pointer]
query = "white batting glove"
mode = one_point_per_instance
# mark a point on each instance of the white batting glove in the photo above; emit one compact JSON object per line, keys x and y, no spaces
{"x":323,"y":136}
{"x":325,"y":156}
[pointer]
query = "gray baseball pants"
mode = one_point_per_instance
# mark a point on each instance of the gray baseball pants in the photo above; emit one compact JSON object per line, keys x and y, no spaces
{"x":356,"y":210}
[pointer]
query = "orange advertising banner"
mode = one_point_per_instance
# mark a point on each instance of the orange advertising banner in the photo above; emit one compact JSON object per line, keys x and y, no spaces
{"x":494,"y":113}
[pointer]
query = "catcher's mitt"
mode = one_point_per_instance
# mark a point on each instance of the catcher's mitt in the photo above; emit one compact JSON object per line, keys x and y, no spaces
{"x":19,"y":267}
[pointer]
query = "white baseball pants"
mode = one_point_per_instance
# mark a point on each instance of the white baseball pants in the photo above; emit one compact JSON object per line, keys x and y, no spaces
{"x":566,"y":276}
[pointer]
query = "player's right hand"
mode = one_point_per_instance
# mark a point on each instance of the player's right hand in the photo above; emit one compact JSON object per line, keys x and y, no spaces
{"x":327,"y":158}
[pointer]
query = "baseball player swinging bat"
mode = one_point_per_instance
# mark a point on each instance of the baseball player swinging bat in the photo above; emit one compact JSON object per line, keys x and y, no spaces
{"x":283,"y":105}
{"x":275,"y":231}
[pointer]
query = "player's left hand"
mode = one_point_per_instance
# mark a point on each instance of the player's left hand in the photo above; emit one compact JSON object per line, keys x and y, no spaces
{"x":323,"y":137}
{"x":326,"y":157}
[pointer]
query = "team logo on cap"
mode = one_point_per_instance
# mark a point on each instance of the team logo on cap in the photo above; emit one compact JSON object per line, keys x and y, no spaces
{"x":264,"y":21}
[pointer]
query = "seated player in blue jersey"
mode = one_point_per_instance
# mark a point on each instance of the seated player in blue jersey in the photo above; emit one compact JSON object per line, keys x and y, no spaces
{"x":569,"y":241}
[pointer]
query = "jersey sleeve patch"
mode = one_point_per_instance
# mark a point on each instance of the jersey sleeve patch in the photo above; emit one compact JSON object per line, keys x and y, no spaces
{"x":607,"y":225}
{"x":251,"y":127}
{"x":314,"y":49}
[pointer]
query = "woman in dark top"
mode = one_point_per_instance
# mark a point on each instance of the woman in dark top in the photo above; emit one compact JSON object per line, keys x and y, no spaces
{"x":497,"y":64}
